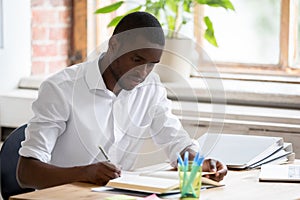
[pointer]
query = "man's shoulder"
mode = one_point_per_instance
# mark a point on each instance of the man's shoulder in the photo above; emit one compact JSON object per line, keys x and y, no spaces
{"x":67,"y":75}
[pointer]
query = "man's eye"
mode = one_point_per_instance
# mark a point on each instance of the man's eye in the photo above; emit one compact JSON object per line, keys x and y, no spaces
{"x":136,"y":59}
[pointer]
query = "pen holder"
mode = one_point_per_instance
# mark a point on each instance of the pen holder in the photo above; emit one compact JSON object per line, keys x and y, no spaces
{"x":190,"y":181}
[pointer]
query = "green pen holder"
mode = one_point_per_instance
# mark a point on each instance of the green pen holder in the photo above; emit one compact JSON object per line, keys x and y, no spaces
{"x":190,"y":181}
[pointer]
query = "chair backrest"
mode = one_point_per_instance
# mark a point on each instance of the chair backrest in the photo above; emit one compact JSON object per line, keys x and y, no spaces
{"x":8,"y":162}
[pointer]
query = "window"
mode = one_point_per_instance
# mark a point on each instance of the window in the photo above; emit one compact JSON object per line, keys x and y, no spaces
{"x":248,"y":35}
{"x":15,"y":32}
{"x":1,"y":25}
{"x":259,"y":37}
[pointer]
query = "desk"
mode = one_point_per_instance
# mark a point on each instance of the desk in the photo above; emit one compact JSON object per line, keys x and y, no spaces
{"x":240,"y":185}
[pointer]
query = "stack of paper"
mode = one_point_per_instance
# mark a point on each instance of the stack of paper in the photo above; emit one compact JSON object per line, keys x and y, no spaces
{"x":245,"y":151}
{"x":281,"y":173}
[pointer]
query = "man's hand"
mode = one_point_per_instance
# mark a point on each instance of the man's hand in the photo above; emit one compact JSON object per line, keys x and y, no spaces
{"x":32,"y":173}
{"x":211,"y":165}
{"x":100,"y":173}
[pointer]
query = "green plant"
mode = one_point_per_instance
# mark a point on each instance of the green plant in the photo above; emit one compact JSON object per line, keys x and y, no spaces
{"x":172,"y":14}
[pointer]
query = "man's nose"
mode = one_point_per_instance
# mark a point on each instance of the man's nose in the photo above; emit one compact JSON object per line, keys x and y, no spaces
{"x":142,"y":70}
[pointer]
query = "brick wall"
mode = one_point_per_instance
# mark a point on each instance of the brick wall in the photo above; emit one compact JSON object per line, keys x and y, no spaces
{"x":51,"y":28}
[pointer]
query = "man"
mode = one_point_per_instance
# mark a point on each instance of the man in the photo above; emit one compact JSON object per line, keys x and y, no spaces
{"x":114,"y":102}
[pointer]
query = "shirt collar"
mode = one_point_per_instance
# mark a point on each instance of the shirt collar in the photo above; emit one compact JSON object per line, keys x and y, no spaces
{"x":95,"y":80}
{"x":93,"y":76}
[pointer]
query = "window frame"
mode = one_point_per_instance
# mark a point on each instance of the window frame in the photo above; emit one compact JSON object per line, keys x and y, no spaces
{"x":79,"y":38}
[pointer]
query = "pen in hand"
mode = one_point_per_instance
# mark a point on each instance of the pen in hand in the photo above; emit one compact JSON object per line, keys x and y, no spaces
{"x":104,"y":153}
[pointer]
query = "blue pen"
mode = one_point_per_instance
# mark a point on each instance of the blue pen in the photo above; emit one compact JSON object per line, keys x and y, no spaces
{"x":186,"y":159}
{"x":180,"y":161}
{"x":198,"y":160}
{"x":185,"y":168}
{"x":185,"y":177}
{"x":195,"y":161}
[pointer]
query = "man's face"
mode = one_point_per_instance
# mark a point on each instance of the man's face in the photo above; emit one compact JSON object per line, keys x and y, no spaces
{"x":132,"y":68}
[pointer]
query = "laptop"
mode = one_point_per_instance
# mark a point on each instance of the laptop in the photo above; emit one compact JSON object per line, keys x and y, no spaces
{"x":280,"y":173}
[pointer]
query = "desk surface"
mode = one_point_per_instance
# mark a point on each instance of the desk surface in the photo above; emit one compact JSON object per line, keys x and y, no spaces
{"x":239,"y":185}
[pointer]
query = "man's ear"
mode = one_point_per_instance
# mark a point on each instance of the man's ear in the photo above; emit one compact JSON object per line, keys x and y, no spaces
{"x":113,"y":44}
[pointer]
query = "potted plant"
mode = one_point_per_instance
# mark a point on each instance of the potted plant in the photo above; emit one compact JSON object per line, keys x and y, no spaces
{"x":173,"y":14}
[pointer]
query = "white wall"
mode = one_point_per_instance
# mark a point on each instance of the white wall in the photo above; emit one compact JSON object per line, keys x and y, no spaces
{"x":15,"y":55}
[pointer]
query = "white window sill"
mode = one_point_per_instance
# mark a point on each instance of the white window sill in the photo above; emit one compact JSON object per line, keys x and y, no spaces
{"x":253,"y":90}
{"x":32,"y":82}
{"x":240,"y":92}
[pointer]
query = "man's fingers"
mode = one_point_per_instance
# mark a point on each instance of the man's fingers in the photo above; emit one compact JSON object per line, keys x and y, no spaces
{"x":213,"y":165}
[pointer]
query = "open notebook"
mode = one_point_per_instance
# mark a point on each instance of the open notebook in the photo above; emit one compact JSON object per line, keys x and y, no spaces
{"x":157,"y":182}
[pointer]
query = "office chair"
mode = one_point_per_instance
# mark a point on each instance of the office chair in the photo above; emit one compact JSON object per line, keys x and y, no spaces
{"x":8,"y":162}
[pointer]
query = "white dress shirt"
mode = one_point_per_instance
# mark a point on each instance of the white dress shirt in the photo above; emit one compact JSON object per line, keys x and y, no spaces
{"x":75,"y":113}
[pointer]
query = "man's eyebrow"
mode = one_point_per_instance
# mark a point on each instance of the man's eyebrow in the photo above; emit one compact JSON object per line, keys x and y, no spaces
{"x":142,"y":58}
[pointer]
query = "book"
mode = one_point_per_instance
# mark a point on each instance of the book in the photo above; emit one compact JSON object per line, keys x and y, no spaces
{"x":206,"y":182}
{"x":280,"y":173}
{"x":157,"y":182}
{"x":140,"y":183}
{"x":239,"y":151}
{"x":279,"y":157}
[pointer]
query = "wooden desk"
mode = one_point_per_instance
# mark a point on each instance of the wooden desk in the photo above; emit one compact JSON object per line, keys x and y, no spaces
{"x":239,"y":185}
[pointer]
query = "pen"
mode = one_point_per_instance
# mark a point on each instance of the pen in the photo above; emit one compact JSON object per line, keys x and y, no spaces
{"x":197,"y":163}
{"x":104,"y":153}
{"x":180,"y":161}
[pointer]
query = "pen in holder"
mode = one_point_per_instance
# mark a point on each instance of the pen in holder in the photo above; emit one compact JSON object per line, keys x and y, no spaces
{"x":190,"y":174}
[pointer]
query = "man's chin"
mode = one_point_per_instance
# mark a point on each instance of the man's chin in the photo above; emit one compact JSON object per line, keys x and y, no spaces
{"x":129,"y":87}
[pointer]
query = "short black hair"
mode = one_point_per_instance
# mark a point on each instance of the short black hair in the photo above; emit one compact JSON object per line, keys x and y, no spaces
{"x":142,"y":20}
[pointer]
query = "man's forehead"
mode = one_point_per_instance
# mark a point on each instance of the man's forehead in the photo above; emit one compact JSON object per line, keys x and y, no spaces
{"x":140,"y":42}
{"x":147,"y":37}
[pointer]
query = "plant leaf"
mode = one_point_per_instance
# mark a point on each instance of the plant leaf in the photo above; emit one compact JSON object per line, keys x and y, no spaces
{"x":134,"y":10}
{"x":217,"y":3}
{"x":115,"y":21}
{"x":154,"y":7}
{"x":187,"y":5}
{"x":171,"y":26}
{"x":209,"y":32}
{"x":173,"y":5}
{"x":109,"y":8}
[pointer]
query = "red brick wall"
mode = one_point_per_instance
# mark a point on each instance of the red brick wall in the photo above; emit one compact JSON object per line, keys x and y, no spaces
{"x":51,"y":28}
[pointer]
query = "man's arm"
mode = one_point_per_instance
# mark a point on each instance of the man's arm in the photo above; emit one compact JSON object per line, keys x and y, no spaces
{"x":32,"y":173}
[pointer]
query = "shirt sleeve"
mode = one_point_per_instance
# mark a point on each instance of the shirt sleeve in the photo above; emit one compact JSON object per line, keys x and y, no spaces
{"x":167,"y":130}
{"x":51,"y":112}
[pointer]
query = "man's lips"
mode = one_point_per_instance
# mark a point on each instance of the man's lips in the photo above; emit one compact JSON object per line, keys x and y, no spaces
{"x":136,"y":80}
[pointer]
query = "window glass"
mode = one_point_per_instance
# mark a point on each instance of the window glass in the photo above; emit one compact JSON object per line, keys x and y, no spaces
{"x":250,"y":34}
{"x":186,"y":30}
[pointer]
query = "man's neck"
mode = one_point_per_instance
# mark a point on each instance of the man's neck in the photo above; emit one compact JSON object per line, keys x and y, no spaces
{"x":107,"y":75}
